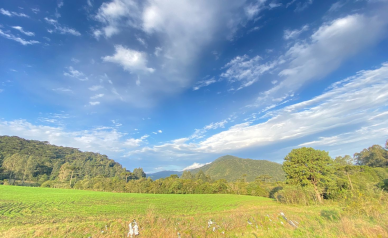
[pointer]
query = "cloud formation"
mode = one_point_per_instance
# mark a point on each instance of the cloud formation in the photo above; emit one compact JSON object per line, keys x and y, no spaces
{"x":131,"y":60}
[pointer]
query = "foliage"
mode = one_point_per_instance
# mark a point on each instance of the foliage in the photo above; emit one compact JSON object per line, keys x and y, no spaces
{"x":374,"y":156}
{"x":37,"y":162}
{"x":309,"y":167}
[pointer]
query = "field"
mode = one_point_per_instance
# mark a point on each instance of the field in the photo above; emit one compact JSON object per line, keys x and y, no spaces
{"x":44,"y":212}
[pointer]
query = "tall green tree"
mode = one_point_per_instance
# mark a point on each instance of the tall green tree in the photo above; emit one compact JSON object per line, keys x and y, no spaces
{"x":139,"y":173}
{"x":374,"y":156}
{"x":345,"y":164}
{"x":308,"y":167}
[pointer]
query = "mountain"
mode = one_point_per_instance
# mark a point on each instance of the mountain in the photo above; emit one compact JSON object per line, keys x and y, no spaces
{"x":232,"y":168}
{"x":163,"y":174}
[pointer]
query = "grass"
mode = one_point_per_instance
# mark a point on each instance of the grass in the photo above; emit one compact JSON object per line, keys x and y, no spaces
{"x":45,"y":212}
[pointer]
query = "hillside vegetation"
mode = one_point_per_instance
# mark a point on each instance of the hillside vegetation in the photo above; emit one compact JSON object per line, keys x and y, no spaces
{"x":232,"y":168}
{"x":35,"y":162}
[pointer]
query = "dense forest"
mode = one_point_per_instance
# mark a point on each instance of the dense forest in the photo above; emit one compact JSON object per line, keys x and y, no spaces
{"x":30,"y":162}
{"x":309,"y":176}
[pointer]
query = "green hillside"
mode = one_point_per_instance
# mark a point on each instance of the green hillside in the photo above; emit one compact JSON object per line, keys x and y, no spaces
{"x":232,"y":168}
{"x":36,"y":162}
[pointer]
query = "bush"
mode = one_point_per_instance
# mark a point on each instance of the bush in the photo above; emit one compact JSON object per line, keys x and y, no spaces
{"x":296,"y":195}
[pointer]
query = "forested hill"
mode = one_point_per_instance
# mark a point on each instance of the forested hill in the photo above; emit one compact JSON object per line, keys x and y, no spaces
{"x":232,"y":168}
{"x":31,"y":160}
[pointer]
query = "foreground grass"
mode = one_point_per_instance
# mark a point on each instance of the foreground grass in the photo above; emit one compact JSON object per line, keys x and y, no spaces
{"x":44,"y":212}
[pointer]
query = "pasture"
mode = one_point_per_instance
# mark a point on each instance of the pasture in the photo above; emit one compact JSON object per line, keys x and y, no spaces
{"x":45,"y":212}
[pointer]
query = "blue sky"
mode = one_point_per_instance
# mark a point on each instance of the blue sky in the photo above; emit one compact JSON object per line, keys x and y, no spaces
{"x":169,"y":84}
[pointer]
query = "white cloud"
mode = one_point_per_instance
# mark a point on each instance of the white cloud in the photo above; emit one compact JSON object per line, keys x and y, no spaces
{"x":95,"y":87}
{"x":61,"y":29}
{"x":19,"y":28}
{"x":35,"y":10}
{"x":102,"y":140}
{"x":348,"y":109}
{"x":97,"y":96}
{"x":293,"y":34}
{"x":111,"y":14}
{"x":336,"y":6}
{"x":200,"y":133}
{"x":73,"y":73}
{"x":94,"y":103}
{"x":132,"y":142}
{"x":74,"y":60}
{"x":131,"y":60}
{"x":253,"y":9}
{"x":326,"y":49}
{"x":141,"y":41}
{"x":157,"y":51}
{"x":18,"y":39}
{"x":63,"y":90}
{"x":247,"y":71}
{"x":160,"y":131}
{"x":90,"y":3}
{"x":10,"y":14}
{"x":303,"y":5}
{"x":204,"y":83}
{"x":274,"y":5}
{"x":60,"y":4}
{"x":195,"y":166}
{"x":183,"y":30}
{"x":5,"y":12}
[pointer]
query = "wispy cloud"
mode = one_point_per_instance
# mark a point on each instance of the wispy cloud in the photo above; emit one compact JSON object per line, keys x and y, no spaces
{"x":18,"y":39}
{"x":61,"y":29}
{"x":63,"y":90}
{"x":204,"y":83}
{"x":97,"y":96}
{"x":19,"y":28}
{"x":94,"y":103}
{"x":95,"y":87}
{"x":73,"y":73}
{"x":11,"y":14}
{"x":246,"y":71}
{"x":293,"y":34}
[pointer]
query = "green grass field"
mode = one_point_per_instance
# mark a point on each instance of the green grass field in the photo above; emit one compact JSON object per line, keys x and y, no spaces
{"x":44,"y":212}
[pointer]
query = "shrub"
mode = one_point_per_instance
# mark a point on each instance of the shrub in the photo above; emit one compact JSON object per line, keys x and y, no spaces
{"x":296,"y":195}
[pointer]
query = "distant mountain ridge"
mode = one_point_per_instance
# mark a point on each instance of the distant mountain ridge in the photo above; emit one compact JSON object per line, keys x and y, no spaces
{"x":232,"y":168}
{"x":163,"y":174}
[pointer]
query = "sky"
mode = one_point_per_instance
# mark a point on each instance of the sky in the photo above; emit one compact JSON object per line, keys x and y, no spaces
{"x":175,"y":84}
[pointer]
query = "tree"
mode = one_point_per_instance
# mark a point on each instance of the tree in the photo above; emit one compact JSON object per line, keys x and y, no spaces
{"x":264,"y":177}
{"x":374,"y":156}
{"x":307,"y":166}
{"x":345,"y":164}
{"x":72,"y":168}
{"x":187,"y":175}
{"x":139,"y":173}
{"x":127,"y":174}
